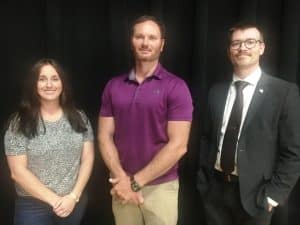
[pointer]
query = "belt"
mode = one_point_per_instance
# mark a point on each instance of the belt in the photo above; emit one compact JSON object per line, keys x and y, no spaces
{"x":227,"y":178}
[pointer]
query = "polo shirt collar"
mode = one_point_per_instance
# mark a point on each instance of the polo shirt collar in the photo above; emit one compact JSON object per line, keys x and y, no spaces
{"x":158,"y":73}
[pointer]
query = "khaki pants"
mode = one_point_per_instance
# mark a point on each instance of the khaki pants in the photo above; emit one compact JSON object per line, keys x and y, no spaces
{"x":160,"y":206}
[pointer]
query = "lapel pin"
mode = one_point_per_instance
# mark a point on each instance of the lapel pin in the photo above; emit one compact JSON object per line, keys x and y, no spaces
{"x":261,"y":90}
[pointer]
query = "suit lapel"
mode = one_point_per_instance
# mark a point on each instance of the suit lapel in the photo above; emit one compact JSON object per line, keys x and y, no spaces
{"x":257,"y":99}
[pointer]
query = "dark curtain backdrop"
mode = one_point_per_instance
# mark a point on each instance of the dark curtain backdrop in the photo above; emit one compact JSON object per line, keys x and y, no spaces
{"x":91,"y":40}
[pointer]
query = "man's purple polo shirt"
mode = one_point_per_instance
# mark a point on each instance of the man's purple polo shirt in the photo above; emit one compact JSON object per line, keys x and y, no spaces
{"x":141,"y":113}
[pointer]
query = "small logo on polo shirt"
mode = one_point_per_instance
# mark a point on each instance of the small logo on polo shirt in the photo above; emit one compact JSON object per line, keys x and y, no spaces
{"x":156,"y":91}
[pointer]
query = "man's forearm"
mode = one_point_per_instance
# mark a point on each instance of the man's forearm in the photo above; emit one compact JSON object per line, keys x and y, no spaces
{"x":164,"y":160}
{"x":110,"y":156}
{"x":168,"y":156}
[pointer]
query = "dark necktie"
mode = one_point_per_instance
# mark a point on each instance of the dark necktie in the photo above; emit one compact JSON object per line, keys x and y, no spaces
{"x":232,"y":130}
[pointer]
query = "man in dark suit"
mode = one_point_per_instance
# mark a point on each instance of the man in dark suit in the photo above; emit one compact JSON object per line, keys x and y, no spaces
{"x":250,"y":149}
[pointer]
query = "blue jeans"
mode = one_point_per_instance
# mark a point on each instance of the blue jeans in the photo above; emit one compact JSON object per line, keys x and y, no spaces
{"x":31,"y":211}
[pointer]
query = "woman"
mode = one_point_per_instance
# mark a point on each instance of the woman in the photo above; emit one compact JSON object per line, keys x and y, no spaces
{"x":49,"y":148}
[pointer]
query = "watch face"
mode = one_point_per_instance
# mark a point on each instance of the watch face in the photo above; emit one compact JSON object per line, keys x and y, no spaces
{"x":135,"y":186}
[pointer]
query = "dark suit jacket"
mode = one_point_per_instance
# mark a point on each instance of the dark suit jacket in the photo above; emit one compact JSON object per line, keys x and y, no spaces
{"x":268,"y":152}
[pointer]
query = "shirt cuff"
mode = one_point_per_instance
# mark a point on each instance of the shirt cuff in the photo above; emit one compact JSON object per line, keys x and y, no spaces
{"x":272,"y":202}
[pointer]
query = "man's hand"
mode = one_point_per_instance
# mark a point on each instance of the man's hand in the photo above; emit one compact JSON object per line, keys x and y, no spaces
{"x":270,"y":207}
{"x":271,"y":204}
{"x":122,"y":190}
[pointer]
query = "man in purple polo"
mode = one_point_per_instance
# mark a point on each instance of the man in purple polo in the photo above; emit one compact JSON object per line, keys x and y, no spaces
{"x":144,"y":126}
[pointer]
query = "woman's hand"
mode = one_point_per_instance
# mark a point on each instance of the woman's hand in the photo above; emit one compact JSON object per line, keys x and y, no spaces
{"x":65,"y":206}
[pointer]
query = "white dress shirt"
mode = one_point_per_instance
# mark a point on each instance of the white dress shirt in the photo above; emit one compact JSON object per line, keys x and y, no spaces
{"x":248,"y":91}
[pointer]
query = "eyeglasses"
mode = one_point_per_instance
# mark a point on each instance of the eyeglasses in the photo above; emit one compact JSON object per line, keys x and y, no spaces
{"x":249,"y":43}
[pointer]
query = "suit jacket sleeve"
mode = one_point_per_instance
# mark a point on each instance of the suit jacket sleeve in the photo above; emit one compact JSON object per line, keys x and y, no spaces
{"x":287,"y":168}
{"x":206,"y":153}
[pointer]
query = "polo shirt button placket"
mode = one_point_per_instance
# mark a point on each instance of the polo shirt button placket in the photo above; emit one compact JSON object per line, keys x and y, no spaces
{"x":136,"y":93}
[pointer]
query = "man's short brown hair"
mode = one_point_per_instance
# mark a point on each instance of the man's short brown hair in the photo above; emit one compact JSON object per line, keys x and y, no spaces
{"x":244,"y":26}
{"x":145,"y":18}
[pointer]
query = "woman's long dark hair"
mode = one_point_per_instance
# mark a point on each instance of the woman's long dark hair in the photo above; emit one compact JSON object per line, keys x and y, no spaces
{"x":28,"y":115}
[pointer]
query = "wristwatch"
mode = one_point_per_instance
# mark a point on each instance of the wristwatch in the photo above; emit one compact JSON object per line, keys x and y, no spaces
{"x":134,"y":185}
